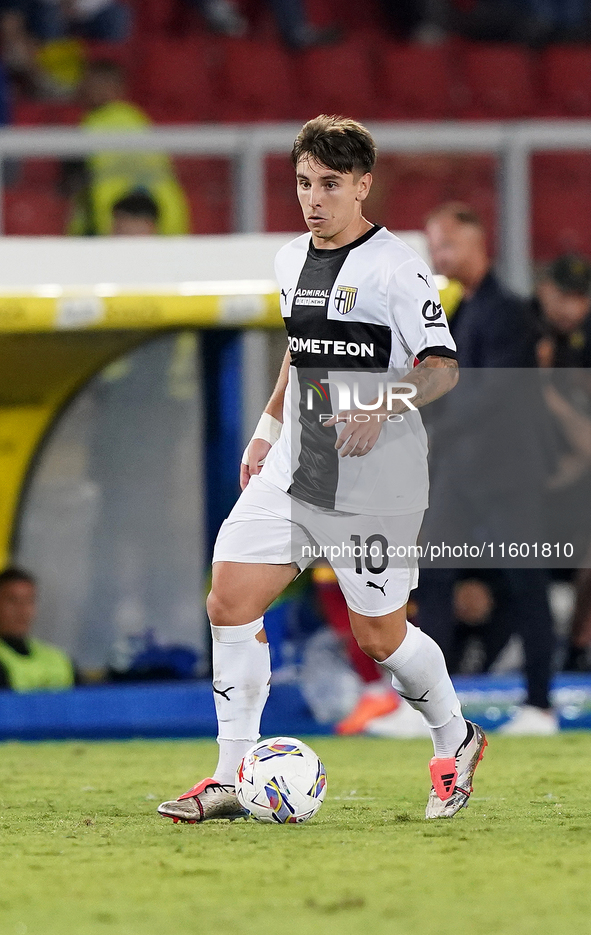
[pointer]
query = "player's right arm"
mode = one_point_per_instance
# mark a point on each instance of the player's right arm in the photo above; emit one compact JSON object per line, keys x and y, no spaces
{"x":268,"y":428}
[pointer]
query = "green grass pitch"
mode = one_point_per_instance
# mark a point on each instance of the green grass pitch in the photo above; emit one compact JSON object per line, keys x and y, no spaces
{"x":84,"y":853}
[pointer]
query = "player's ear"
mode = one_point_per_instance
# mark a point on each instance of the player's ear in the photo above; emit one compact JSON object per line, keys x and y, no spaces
{"x":363,"y":186}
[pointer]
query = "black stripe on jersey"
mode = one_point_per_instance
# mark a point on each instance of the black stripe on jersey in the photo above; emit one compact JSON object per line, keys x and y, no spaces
{"x":317,"y":474}
{"x":439,"y":351}
{"x":312,"y":338}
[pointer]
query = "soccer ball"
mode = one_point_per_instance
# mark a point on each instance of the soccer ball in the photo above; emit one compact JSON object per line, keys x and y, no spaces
{"x":281,"y":780}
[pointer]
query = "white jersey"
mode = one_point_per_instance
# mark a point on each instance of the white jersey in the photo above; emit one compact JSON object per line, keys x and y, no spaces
{"x":357,"y":317}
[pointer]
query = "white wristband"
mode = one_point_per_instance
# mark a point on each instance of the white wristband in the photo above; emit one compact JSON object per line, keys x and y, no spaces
{"x":268,"y":428}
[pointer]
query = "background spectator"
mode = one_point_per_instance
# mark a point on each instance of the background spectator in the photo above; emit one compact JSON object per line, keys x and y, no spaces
{"x":224,"y":16}
{"x":135,"y":215}
{"x":26,"y":663}
{"x":491,"y":330}
{"x":377,"y":697}
{"x":98,"y":183}
{"x":25,"y":25}
{"x":532,"y":21}
{"x":562,"y":308}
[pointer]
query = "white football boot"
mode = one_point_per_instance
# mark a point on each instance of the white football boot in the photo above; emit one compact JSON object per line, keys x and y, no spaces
{"x":452,"y":777}
{"x":207,"y":800}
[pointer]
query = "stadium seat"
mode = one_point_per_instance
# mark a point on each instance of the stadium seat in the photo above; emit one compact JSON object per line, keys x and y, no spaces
{"x":566,"y":79}
{"x":172,"y":80}
{"x":337,"y":79}
{"x":406,"y":188}
{"x":42,"y":174}
{"x":256,"y":82}
{"x":153,"y":16}
{"x":39,"y":113}
{"x":283,"y":212}
{"x":34,"y":211}
{"x":561,"y":197}
{"x":498,"y":82}
{"x":416,"y":82}
{"x":207,"y":183}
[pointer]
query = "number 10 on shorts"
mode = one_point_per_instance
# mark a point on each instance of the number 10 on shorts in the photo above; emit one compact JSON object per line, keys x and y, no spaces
{"x":373,"y":553}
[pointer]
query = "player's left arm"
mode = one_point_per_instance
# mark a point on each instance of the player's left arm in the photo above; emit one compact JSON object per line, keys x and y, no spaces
{"x":419,"y":322}
{"x":433,"y":377}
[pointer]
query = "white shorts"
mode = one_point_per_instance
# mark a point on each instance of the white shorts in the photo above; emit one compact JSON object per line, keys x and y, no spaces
{"x":373,"y":557}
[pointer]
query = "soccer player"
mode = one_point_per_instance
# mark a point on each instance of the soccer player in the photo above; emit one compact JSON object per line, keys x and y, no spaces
{"x":348,"y":482}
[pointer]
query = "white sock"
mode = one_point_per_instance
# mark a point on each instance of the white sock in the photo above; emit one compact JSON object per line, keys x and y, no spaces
{"x":448,"y":738}
{"x":241,"y":675}
{"x":420,"y":675}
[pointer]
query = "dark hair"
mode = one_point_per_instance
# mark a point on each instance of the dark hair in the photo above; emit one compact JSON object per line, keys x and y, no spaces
{"x":16,"y":574}
{"x":337,"y":143}
{"x":138,"y":204}
{"x":571,"y":273}
{"x":458,"y":210}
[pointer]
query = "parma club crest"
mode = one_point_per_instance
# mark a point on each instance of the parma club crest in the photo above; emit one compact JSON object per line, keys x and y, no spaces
{"x":345,"y":298}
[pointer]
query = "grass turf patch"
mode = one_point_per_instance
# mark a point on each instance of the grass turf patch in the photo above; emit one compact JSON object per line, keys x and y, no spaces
{"x":84,"y":853}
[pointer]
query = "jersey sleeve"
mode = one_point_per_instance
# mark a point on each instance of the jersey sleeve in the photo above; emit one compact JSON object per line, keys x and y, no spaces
{"x":416,"y":314}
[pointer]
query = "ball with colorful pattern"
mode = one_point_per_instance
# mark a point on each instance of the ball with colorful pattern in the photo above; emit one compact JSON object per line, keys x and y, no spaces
{"x":281,"y":781}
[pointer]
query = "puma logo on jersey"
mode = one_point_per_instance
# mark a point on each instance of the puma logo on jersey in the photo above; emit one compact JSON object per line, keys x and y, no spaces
{"x":378,"y":587}
{"x":424,"y":278}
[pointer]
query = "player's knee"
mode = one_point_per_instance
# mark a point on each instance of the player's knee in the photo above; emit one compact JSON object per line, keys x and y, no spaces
{"x":220,"y":611}
{"x":373,"y":645}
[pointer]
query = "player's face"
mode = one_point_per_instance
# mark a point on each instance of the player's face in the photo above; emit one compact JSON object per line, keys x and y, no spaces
{"x":126,"y":225}
{"x":566,"y":311}
{"x":455,"y":248}
{"x":18,"y":605}
{"x":331,"y":201}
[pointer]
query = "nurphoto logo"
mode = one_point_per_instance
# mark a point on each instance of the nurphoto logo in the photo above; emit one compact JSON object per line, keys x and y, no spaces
{"x":348,"y":398}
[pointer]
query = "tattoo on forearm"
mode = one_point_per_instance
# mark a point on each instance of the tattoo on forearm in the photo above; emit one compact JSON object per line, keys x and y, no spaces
{"x":433,"y":377}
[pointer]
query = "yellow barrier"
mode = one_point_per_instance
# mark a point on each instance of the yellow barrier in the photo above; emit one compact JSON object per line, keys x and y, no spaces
{"x":51,"y":346}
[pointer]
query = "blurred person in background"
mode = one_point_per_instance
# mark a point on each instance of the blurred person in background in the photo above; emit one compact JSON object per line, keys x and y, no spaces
{"x":26,"y":663}
{"x":105,"y":177}
{"x":377,"y":698}
{"x":418,"y":20}
{"x":224,"y":17}
{"x":27,"y":25}
{"x":562,"y":310}
{"x":534,"y":22}
{"x":135,"y":215}
{"x":491,"y":329}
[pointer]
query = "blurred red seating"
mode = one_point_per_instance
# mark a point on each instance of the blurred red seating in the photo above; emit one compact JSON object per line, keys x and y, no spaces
{"x":337,"y":80}
{"x":499,"y":82}
{"x":207,"y":184}
{"x":566,"y":80}
{"x":283,"y":212}
{"x":39,"y":113}
{"x":256,"y":82}
{"x":416,"y":83}
{"x":172,"y":80}
{"x":561,"y":198}
{"x":153,"y":16}
{"x":33,"y":211}
{"x":406,"y":188}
